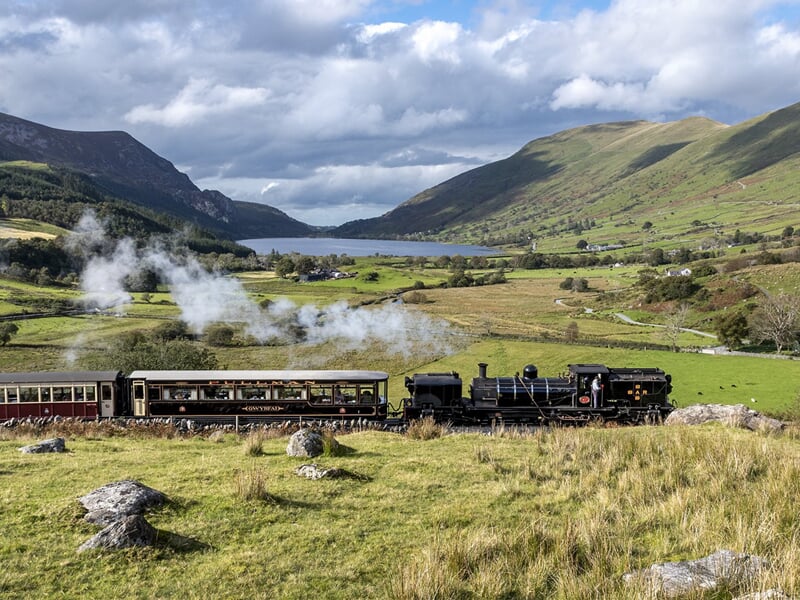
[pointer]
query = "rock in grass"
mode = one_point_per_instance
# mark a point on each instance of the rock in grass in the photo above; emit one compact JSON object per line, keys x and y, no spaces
{"x":314,"y":471}
{"x":126,"y":532}
{"x":732,"y":415}
{"x":51,"y":445}
{"x":306,"y":443}
{"x":118,"y":500}
{"x":674,"y":579}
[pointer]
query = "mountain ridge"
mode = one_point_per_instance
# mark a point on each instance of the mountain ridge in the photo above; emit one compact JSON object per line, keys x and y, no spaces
{"x":125,"y":168}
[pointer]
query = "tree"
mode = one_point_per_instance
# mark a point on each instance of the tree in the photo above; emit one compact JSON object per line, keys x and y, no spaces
{"x":171,"y":330}
{"x":284,"y":266}
{"x":571,"y":332}
{"x":647,"y":225}
{"x":7,"y":331}
{"x":304,"y":265}
{"x":675,"y":322}
{"x":777,"y":319}
{"x":582,"y":244}
{"x":219,"y":334}
{"x":731,"y":328}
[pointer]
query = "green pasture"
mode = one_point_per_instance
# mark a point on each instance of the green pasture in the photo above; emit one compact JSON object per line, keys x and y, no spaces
{"x":559,"y":514}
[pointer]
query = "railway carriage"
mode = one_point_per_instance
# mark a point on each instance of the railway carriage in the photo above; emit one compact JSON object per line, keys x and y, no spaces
{"x":279,"y":394}
{"x":84,"y":394}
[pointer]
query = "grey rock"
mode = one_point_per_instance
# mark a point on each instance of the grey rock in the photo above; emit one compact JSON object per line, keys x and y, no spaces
{"x":737,"y":415}
{"x":674,"y":579}
{"x":126,"y":532}
{"x":51,"y":445}
{"x":119,"y":499}
{"x":306,"y":443}
{"x":313,"y":471}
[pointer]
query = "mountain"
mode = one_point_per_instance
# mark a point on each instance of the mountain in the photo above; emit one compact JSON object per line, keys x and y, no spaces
{"x":685,"y":180}
{"x":123,"y":168}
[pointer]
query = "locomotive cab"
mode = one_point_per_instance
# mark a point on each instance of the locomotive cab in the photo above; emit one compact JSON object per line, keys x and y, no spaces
{"x":582,"y":375}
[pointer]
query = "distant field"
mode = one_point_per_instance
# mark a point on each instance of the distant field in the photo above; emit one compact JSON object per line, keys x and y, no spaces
{"x":506,"y":326}
{"x":28,"y":229}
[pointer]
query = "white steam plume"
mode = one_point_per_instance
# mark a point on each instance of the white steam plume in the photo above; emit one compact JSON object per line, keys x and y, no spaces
{"x":205,"y":298}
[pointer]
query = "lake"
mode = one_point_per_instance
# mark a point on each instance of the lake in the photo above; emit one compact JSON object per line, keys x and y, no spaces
{"x":358,"y":247}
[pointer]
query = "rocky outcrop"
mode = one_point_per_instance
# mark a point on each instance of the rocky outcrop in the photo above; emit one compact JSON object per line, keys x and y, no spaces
{"x":674,"y":579}
{"x":120,"y":499}
{"x":306,"y":443}
{"x":737,"y":415}
{"x":126,"y":532}
{"x":52,"y":445}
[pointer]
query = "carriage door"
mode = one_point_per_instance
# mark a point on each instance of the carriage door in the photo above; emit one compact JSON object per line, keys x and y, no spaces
{"x":139,"y":403}
{"x":106,"y":400}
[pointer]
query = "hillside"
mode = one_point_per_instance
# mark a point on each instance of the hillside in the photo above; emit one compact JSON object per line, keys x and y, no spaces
{"x":114,"y":164}
{"x":689,"y":179}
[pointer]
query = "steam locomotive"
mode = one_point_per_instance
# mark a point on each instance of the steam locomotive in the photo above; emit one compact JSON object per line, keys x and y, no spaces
{"x":624,"y":395}
{"x":588,"y":392}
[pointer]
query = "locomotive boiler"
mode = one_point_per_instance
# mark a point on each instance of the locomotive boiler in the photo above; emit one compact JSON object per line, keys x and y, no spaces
{"x":587,"y":392}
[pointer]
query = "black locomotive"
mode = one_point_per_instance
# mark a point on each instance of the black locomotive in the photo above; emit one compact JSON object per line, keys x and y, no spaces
{"x":588,"y":392}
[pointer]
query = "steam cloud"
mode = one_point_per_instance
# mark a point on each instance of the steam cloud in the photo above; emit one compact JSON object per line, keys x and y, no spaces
{"x":205,"y":298}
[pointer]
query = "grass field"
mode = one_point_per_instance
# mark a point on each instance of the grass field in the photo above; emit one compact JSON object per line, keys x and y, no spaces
{"x":555,"y":514}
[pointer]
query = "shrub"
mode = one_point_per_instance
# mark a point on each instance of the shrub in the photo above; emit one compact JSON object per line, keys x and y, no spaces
{"x":219,"y":335}
{"x":415,"y":297}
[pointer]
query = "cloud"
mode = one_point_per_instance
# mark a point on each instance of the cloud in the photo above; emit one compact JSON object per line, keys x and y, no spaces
{"x":344,"y":110}
{"x":198,"y":100}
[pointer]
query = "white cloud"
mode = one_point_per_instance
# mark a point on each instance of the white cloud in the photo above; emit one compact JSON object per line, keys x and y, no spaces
{"x":436,"y":41}
{"x":196,"y":101}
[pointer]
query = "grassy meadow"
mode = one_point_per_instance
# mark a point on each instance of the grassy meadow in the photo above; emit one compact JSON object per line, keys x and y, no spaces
{"x":559,"y":513}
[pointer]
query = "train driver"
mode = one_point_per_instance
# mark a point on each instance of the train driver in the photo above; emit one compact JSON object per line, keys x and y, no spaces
{"x":597,"y":386}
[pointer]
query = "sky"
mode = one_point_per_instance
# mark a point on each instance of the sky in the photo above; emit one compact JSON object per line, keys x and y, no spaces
{"x":334,"y":110}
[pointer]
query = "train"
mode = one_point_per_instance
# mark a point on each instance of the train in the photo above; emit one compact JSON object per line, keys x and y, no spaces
{"x":585,"y":393}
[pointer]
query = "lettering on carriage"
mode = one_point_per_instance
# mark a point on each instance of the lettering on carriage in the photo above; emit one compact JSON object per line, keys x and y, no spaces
{"x":270,"y":408}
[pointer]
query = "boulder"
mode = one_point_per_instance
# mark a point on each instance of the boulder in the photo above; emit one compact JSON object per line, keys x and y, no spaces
{"x":119,"y":499}
{"x":675,"y":579}
{"x":129,"y":531}
{"x":306,"y":443}
{"x":737,"y":415}
{"x":51,"y":445}
{"x":314,"y":471}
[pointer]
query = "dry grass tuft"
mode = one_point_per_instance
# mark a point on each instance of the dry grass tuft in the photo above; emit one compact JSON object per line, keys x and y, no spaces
{"x":427,"y":429}
{"x":252,"y":485}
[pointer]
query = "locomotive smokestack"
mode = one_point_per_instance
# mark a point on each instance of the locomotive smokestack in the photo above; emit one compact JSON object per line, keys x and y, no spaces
{"x":482,"y":370}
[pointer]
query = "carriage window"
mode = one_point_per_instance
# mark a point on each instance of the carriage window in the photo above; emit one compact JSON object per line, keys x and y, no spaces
{"x":62,"y":394}
{"x":28,"y":394}
{"x":216,"y":392}
{"x":321,"y":394}
{"x":368,"y":394}
{"x":106,"y":392}
{"x":90,"y":393}
{"x":11,"y":394}
{"x":252,"y":393}
{"x":289,"y":392}
{"x":78,"y":391}
{"x":179,"y":393}
{"x":345,"y":394}
{"x":47,"y":395}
